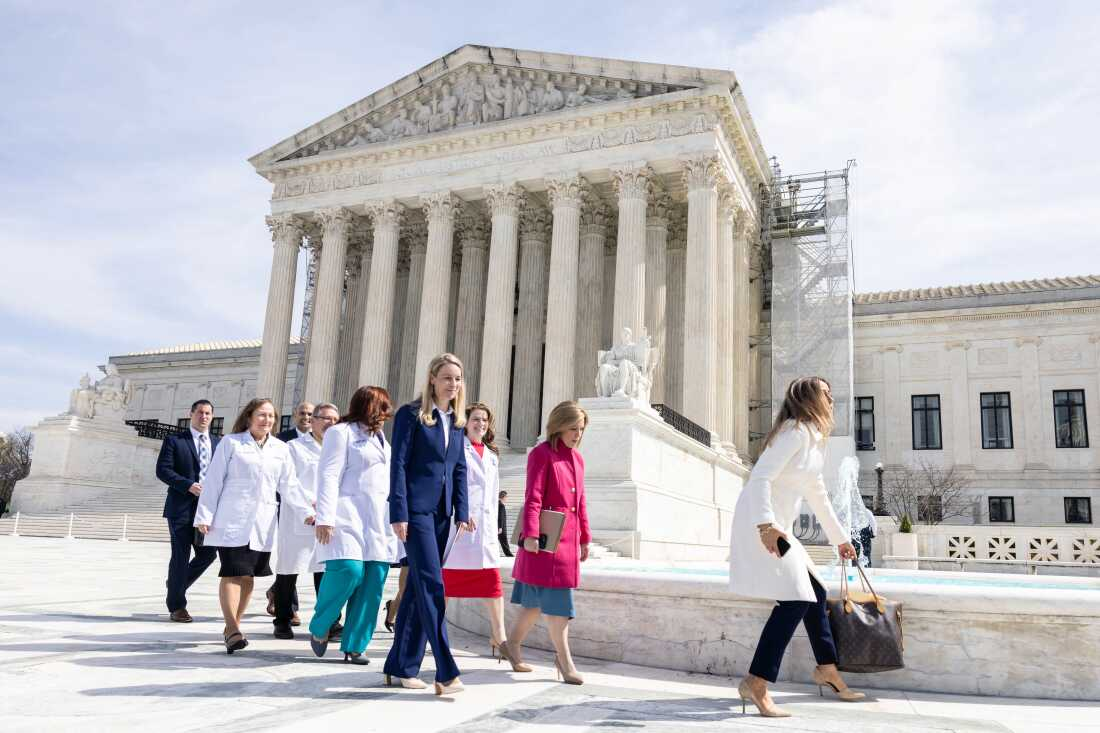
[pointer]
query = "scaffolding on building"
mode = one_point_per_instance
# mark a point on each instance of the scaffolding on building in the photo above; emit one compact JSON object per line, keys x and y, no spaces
{"x":806,"y":263}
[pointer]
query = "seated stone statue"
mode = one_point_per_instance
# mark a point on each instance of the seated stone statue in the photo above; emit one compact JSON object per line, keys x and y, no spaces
{"x":626,"y":370}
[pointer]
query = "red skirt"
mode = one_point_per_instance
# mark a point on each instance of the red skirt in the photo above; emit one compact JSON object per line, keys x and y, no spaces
{"x":483,"y":583}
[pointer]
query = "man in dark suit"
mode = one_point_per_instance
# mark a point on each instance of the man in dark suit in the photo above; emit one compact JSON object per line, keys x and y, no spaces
{"x":303,"y":414}
{"x":502,"y":524}
{"x":182,"y":465}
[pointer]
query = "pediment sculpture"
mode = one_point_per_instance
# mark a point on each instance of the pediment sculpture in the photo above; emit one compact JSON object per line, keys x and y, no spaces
{"x":477,"y":95}
{"x":107,"y":399}
{"x":626,"y":369}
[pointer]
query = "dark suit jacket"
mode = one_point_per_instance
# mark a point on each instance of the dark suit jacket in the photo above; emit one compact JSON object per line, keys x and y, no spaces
{"x":178,"y":466}
{"x":502,"y":518}
{"x":422,"y":472}
{"x":287,"y":435}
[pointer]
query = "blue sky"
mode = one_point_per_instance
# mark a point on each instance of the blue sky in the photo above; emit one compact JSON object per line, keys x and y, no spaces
{"x":129,"y":217}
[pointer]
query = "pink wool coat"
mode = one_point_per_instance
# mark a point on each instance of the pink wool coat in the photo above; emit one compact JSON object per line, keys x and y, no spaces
{"x":555,"y":480}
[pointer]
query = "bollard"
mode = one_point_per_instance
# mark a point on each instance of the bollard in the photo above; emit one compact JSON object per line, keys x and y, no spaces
{"x":125,"y":521}
{"x":70,"y":535}
{"x":15,"y":527}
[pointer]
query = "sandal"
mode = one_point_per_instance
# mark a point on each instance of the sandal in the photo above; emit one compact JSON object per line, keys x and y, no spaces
{"x":235,"y":641}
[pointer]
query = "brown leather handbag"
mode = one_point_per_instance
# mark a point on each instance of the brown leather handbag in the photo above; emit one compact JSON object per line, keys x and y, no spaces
{"x":866,"y":628}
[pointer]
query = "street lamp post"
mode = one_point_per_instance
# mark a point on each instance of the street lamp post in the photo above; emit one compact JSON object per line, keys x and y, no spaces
{"x":879,"y":499}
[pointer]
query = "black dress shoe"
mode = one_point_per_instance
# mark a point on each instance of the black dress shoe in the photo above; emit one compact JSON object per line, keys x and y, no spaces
{"x":181,"y":616}
{"x":283,"y":632}
{"x":318,"y":647}
{"x":353,"y":658}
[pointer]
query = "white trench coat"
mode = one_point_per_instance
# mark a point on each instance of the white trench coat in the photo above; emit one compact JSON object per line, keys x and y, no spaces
{"x":353,"y":488}
{"x":787,"y":471}
{"x":294,"y":555}
{"x":481,"y":548}
{"x":238,"y":493}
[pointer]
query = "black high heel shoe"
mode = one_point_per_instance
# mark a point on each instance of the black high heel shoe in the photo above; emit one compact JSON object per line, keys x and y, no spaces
{"x":387,"y":623}
{"x":354,"y":658}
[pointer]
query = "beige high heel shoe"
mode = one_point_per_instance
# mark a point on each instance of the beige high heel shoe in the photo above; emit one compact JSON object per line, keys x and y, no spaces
{"x":409,"y":683}
{"x":569,"y":678}
{"x":845,"y":693}
{"x":449,"y":688}
{"x":767,"y":708}
{"x":506,"y":654}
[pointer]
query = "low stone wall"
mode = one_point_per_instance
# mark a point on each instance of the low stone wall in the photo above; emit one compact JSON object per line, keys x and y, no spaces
{"x":982,"y":641}
{"x":1001,"y":548}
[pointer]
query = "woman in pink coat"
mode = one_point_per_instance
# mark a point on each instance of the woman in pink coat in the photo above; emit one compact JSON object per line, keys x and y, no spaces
{"x":544,"y":581}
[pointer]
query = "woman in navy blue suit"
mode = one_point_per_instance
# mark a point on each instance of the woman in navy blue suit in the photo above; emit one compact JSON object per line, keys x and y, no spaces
{"x":427,"y":484}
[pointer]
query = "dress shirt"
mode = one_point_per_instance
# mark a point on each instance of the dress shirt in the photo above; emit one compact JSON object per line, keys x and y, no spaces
{"x":445,"y":418}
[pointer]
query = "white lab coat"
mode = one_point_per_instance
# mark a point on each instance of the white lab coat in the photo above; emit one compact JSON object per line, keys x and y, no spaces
{"x":788,"y":471}
{"x":238,"y":494}
{"x":481,"y":548}
{"x":294,"y":555}
{"x":353,"y":488}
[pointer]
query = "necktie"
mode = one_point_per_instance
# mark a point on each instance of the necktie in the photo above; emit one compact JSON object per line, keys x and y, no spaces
{"x":204,"y":456}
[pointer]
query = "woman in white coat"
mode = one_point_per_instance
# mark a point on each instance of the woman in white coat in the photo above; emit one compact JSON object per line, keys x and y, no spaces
{"x":472,"y":570}
{"x":355,"y":540}
{"x":295,"y":551}
{"x":767,"y":562}
{"x":236,"y":511}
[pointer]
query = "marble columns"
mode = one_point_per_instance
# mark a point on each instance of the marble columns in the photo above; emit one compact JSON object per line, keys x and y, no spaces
{"x":742,"y":303}
{"x":726,"y":396}
{"x":675,"y":277}
{"x":527,"y":375}
{"x":656,"y":289}
{"x":500,"y":300}
{"x":355,"y":306}
{"x":325,"y":329}
{"x":439,"y":210}
{"x":377,"y":333}
{"x":632,"y":185}
{"x":397,"y":333}
{"x":286,"y":232}
{"x":565,"y":195}
{"x":590,"y":293}
{"x":470,"y":307}
{"x":607,"y":335}
{"x":410,"y":382}
{"x":700,"y":322}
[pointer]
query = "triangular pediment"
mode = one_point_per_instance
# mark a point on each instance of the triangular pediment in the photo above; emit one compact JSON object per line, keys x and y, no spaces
{"x":479,"y":85}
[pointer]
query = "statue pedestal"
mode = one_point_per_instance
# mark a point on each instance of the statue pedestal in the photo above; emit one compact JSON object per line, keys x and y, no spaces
{"x":654,"y":493}
{"x":79,"y":459}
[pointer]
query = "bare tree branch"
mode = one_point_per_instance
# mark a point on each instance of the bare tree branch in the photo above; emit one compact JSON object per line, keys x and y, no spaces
{"x":928,"y":494}
{"x":15,"y":461}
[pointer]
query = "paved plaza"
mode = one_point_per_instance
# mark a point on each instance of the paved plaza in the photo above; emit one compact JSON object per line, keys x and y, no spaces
{"x":84,"y":645}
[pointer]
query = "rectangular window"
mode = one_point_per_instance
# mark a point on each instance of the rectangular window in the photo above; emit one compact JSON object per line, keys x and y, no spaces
{"x":930,"y":509}
{"x":1078,"y":510}
{"x":996,"y":420}
{"x":926,"y":422}
{"x":865,"y":423}
{"x":183,"y":422}
{"x":217,"y":425}
{"x":1002,"y":509}
{"x":1071,"y":430}
{"x":284,"y":422}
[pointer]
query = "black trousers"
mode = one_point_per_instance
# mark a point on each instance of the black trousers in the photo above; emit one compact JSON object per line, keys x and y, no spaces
{"x":285,"y":589}
{"x":785,"y":618}
{"x":504,"y":548}
{"x":183,"y":570}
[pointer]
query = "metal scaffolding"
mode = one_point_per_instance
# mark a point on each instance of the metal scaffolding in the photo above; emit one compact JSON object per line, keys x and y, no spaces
{"x":805,"y":238}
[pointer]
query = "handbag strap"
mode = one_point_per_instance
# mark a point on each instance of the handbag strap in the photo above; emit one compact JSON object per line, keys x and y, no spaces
{"x":879,"y":600}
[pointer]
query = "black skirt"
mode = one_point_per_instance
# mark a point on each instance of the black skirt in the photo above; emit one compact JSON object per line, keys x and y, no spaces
{"x":243,"y":562}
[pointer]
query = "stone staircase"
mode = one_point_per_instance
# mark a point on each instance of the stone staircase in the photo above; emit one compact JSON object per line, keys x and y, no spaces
{"x":135,"y":515}
{"x":823,"y":555}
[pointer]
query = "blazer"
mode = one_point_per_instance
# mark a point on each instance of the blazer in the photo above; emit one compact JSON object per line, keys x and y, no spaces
{"x":288,"y":435}
{"x":238,"y":498}
{"x":555,"y":480}
{"x":479,"y":549}
{"x":502,"y":518}
{"x":424,"y":473}
{"x":353,"y":483}
{"x":788,"y":471}
{"x":178,"y":466}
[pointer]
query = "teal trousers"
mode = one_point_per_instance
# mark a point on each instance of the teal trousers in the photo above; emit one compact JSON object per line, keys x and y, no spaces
{"x":357,"y":583}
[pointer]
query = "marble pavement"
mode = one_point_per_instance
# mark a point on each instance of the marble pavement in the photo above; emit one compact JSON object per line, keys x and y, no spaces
{"x":84,"y":645}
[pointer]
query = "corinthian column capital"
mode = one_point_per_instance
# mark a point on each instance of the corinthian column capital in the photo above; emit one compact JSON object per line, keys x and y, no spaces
{"x":387,"y":212}
{"x":283,"y":226}
{"x":335,"y":222}
{"x":632,"y":181}
{"x":505,"y":198}
{"x":473,"y":229}
{"x":442,"y":206}
{"x":566,"y":191}
{"x":534,"y":222}
{"x":701,"y":172}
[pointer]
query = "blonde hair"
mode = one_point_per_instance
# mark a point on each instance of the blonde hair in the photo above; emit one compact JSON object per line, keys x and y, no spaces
{"x":804,"y":402}
{"x":563,"y":417}
{"x":427,"y":397}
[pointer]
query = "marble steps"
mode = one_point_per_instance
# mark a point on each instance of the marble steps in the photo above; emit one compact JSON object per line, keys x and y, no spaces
{"x":823,"y":555}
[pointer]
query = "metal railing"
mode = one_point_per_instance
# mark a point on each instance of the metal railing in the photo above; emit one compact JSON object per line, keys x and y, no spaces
{"x":76,"y":526}
{"x":681,"y":423}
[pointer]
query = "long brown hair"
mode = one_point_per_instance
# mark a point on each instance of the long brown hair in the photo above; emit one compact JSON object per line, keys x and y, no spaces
{"x":490,"y":436}
{"x":804,"y":402}
{"x":371,"y":407}
{"x":427,"y":401}
{"x":563,"y":417}
{"x":243,"y":420}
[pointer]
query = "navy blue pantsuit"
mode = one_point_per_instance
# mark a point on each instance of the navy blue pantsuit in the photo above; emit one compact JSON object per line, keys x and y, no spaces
{"x":780,"y":628}
{"x":427,"y":484}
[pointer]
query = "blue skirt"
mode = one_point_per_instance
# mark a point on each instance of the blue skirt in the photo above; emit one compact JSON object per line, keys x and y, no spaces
{"x":551,"y":601}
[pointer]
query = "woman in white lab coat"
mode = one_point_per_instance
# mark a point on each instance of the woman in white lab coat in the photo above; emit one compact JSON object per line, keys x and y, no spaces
{"x":294,"y":554}
{"x":354,"y":538}
{"x":236,"y":511}
{"x":472,"y":570}
{"x":788,"y":471}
